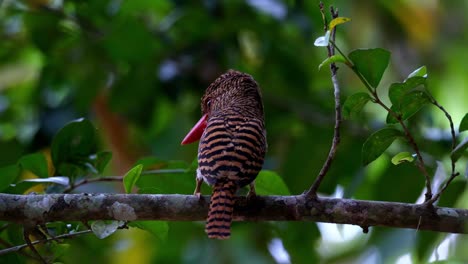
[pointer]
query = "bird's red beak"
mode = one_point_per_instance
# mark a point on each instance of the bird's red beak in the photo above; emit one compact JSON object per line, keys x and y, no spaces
{"x":196,"y":132}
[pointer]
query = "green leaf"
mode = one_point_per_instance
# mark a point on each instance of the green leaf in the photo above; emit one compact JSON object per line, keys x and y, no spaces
{"x":74,"y":144}
{"x":463,"y":124}
{"x":103,"y":229}
{"x":332,"y":59}
{"x":398,"y":90}
{"x":8,"y":174}
{"x":409,"y":104}
{"x":102,"y":159}
{"x":174,"y":178}
{"x":420,"y":72}
{"x":370,"y":63}
{"x":337,"y":21}
{"x":159,"y":229}
{"x":35,"y":163}
{"x":459,"y":150}
{"x":323,"y":40}
{"x":377,"y":143}
{"x":270,"y":183}
{"x":412,"y":102}
{"x":354,"y":104}
{"x":402,"y":157}
{"x":131,"y":177}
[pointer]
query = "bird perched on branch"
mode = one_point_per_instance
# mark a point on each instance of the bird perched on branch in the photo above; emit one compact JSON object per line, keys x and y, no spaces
{"x":232,"y":145}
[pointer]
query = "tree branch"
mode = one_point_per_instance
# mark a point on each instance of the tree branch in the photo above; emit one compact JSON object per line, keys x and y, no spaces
{"x":31,"y":210}
{"x":312,"y":192}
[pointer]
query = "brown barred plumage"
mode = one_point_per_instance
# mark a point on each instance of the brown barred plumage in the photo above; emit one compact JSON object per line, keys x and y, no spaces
{"x":232,"y":144}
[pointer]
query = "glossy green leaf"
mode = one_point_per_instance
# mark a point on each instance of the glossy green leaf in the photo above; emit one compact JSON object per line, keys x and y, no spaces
{"x":8,"y":174}
{"x":409,"y":105}
{"x":338,"y":21}
{"x":270,"y":183}
{"x":419,"y":72}
{"x":159,"y":229}
{"x":332,"y":59}
{"x":35,"y":163}
{"x":402,"y":157}
{"x":459,"y":150}
{"x":463,"y":124}
{"x":323,"y":41}
{"x":377,"y":143}
{"x":103,"y":229}
{"x":370,"y":63}
{"x":412,"y":102}
{"x":398,"y":90}
{"x":131,"y":177}
{"x":74,"y":143}
{"x":354,"y":104}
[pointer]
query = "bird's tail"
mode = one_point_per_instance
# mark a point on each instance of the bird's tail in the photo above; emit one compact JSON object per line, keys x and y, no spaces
{"x":218,"y":224}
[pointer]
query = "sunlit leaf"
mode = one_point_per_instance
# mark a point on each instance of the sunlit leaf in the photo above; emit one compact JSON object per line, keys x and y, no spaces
{"x":8,"y":174}
{"x":377,"y":143}
{"x":337,"y":21}
{"x":420,"y":72}
{"x":57,"y":180}
{"x":35,"y":163}
{"x":354,"y":104}
{"x":323,"y":40}
{"x":103,"y":229}
{"x":332,"y":59}
{"x":463,"y":124}
{"x":131,"y":177}
{"x":459,"y":150}
{"x":370,"y":63}
{"x":159,"y":229}
{"x":402,"y":157}
{"x":270,"y":183}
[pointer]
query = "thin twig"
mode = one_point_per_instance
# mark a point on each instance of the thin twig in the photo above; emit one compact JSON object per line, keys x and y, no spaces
{"x":312,"y":192}
{"x":91,"y":180}
{"x":120,"y":178}
{"x":20,"y":247}
{"x":453,"y":174}
{"x":31,"y":246}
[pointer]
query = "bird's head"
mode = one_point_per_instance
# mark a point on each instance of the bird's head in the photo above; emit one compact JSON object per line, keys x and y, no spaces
{"x":232,"y":91}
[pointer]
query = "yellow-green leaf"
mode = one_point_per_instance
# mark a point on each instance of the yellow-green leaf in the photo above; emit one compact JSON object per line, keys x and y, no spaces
{"x":402,"y":157}
{"x":332,"y":59}
{"x":337,"y":21}
{"x":270,"y":183}
{"x":131,"y":177}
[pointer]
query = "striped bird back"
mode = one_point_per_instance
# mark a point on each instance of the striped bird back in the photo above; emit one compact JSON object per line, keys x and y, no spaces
{"x":231,"y":154}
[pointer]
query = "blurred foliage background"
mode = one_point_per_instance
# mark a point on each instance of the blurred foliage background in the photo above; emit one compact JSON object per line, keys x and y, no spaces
{"x":137,"y":69}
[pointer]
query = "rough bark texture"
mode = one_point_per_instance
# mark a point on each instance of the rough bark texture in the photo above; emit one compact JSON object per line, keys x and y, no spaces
{"x":36,"y":209}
